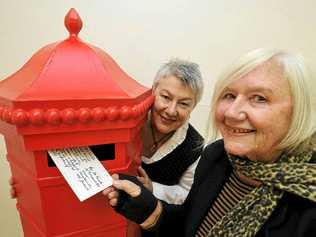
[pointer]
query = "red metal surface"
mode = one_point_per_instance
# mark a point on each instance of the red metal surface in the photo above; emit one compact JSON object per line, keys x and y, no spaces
{"x":69,"y":94}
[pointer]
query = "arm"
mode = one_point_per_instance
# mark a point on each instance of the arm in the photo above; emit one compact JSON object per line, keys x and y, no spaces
{"x":176,"y":194}
{"x":132,"y":200}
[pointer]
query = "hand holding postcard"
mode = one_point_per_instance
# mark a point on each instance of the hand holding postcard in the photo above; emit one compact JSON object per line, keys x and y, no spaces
{"x":82,"y":170}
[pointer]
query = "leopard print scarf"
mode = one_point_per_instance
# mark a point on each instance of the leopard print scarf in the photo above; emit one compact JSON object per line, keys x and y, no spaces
{"x":292,"y":173}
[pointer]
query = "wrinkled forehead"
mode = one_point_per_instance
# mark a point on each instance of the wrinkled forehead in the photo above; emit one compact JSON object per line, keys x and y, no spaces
{"x":169,"y":82}
{"x":267,"y":75}
{"x":175,"y":87}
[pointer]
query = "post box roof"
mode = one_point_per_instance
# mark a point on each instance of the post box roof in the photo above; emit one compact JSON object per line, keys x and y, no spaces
{"x":71,"y":81}
{"x":70,"y":70}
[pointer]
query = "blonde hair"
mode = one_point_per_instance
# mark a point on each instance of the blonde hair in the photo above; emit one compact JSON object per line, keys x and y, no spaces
{"x":303,"y":122}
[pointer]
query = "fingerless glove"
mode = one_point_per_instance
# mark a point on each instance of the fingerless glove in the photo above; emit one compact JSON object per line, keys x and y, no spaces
{"x":139,"y":208}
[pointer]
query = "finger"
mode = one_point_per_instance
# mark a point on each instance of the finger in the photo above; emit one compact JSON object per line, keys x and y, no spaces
{"x":113,"y":195}
{"x":115,"y":177}
{"x":141,"y":179}
{"x":113,"y":202}
{"x":108,"y":190}
{"x":142,"y":173}
{"x":127,"y":186}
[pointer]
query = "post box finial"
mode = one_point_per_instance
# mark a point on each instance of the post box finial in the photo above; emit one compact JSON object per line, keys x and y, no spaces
{"x":73,"y":22}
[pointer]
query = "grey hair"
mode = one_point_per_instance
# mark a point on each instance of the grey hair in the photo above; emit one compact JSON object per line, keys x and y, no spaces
{"x":188,"y":72}
{"x":303,"y":123}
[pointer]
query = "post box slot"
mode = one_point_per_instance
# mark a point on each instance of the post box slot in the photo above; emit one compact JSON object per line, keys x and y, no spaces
{"x":102,"y":152}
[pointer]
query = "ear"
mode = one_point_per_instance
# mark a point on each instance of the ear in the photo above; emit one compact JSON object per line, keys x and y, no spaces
{"x":154,"y":86}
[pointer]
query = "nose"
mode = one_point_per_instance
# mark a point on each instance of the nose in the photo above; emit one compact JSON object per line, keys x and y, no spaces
{"x":236,"y":110}
{"x":171,"y":109}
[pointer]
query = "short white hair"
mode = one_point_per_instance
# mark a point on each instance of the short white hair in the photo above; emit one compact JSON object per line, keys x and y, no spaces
{"x":186,"y":71}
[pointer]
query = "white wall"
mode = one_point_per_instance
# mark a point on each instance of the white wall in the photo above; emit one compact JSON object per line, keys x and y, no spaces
{"x":140,"y":35}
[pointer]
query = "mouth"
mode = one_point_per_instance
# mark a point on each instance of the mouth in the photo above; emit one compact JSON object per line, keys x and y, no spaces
{"x":239,"y":131}
{"x":167,"y":120}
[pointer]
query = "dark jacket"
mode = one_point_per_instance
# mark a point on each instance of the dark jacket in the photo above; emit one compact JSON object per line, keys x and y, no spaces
{"x":294,"y":216}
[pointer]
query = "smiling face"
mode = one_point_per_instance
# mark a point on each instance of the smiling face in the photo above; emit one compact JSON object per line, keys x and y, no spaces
{"x":173,"y":104}
{"x":254,"y":112}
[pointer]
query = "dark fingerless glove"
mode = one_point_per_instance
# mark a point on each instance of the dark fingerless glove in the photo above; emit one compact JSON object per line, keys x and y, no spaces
{"x":139,"y":208}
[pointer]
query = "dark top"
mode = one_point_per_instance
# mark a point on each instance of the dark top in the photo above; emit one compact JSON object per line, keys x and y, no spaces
{"x":293,"y":216}
{"x":233,"y":191}
{"x":171,"y":167}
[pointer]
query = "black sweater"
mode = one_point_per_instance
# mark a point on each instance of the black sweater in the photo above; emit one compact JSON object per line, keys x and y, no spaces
{"x":294,"y":216}
{"x":171,"y":167}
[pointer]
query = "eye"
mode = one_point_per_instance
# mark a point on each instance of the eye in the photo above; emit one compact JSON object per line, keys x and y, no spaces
{"x":184,"y":104}
{"x":165,"y":97}
{"x":228,"y":96}
{"x":258,"y":99}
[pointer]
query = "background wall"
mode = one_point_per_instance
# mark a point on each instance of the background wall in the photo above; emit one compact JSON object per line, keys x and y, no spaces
{"x":141,"y":35}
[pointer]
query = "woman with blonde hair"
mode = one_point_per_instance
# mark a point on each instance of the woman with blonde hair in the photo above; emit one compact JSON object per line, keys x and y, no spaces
{"x":260,"y":178}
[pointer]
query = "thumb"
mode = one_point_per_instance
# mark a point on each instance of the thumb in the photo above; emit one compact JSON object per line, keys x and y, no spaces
{"x":128,"y":187}
{"x":142,"y":173}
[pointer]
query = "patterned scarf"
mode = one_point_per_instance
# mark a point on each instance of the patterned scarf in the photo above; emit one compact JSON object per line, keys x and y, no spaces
{"x":292,"y":173}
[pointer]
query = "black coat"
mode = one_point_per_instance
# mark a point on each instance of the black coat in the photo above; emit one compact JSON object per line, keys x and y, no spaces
{"x":294,"y":216}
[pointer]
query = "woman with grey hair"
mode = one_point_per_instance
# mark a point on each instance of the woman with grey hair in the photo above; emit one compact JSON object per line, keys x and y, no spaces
{"x":260,"y":178}
{"x":171,"y":146}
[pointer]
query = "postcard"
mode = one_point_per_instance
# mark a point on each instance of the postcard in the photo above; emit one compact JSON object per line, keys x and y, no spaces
{"x":82,"y":170}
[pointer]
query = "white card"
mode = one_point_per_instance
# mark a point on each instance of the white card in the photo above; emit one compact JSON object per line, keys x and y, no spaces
{"x":82,"y":170}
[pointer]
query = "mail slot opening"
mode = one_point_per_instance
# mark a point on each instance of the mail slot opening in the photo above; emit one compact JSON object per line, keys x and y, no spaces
{"x":102,"y":152}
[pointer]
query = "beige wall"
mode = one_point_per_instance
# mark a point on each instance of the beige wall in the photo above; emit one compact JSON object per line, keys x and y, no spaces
{"x":142,"y":34}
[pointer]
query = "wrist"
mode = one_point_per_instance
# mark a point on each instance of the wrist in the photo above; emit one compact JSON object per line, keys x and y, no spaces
{"x":152,"y":220}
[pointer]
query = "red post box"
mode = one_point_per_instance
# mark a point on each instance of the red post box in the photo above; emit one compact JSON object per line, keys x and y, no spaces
{"x":70,"y":94}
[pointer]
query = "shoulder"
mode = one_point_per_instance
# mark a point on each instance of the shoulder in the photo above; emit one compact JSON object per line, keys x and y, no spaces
{"x":294,"y":216}
{"x":301,"y":204}
{"x":213,"y":159}
{"x":192,"y":129}
{"x":215,"y":149}
{"x":213,"y":154}
{"x":193,"y":134}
